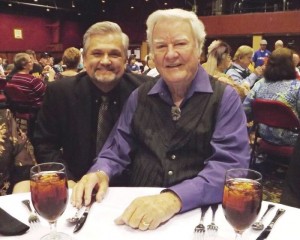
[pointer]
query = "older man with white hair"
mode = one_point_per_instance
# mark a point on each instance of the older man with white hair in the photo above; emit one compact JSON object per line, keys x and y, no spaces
{"x":278,"y":44}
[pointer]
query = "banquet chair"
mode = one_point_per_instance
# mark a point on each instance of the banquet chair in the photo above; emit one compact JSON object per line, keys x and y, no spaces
{"x":277,"y":115}
{"x":22,"y":108}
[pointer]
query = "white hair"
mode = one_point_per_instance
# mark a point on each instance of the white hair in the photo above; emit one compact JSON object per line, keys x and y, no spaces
{"x":191,"y":17}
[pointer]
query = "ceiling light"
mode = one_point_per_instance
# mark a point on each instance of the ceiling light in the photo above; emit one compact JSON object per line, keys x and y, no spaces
{"x":10,"y":5}
{"x":165,"y":3}
{"x":73,"y":4}
{"x":132,"y":7}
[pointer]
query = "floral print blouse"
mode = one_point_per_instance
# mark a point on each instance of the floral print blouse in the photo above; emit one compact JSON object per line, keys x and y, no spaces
{"x":286,"y":91}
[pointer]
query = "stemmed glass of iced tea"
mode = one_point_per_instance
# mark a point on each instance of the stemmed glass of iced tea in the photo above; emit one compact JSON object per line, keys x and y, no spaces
{"x":242,"y":198}
{"x":49,"y":195}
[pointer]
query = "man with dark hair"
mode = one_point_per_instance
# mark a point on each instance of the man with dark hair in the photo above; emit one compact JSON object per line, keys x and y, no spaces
{"x":79,"y":112}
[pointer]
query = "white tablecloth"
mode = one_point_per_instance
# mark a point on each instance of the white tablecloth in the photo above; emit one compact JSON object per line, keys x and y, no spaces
{"x":100,"y":222}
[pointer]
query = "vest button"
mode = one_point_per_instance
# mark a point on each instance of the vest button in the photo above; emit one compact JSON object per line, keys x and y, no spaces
{"x":173,"y":157}
{"x":170,"y":173}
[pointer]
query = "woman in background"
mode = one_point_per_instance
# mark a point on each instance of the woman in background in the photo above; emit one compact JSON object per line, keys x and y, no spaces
{"x":279,"y":83}
{"x":71,"y":59}
{"x":218,"y":61}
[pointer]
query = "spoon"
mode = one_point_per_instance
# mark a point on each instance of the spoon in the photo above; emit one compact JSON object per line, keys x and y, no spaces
{"x":75,"y":218}
{"x":259,"y":225}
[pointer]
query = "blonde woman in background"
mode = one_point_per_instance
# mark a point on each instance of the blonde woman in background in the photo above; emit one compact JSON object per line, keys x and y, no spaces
{"x":218,"y":61}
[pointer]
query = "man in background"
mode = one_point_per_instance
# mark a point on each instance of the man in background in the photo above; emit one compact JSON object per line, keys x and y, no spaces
{"x":37,"y":68}
{"x":262,"y":54}
{"x":278,"y":44}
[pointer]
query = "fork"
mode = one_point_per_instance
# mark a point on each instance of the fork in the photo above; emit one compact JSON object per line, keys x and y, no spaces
{"x":33,"y":218}
{"x":213,"y":228}
{"x":200,"y":228}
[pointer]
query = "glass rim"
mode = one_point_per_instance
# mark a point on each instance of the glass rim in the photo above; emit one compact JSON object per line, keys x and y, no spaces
{"x":245,"y":169}
{"x":32,"y":169}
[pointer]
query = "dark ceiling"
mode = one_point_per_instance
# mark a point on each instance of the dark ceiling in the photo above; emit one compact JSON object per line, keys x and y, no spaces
{"x":135,"y":10}
{"x":117,"y":10}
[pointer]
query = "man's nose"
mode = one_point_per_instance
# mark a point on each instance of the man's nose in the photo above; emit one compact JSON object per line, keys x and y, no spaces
{"x":105,"y":59}
{"x":171,"y":51}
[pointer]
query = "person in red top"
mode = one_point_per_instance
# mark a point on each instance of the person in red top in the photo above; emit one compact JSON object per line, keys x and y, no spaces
{"x":31,"y":85}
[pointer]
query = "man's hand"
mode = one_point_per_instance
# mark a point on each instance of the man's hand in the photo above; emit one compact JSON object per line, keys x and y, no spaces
{"x":83,"y":189}
{"x":150,"y":211}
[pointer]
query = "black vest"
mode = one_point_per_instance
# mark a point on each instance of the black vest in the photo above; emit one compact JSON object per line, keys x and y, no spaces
{"x":169,"y":152}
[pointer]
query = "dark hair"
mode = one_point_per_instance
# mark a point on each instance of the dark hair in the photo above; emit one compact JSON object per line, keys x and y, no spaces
{"x":280,"y":66}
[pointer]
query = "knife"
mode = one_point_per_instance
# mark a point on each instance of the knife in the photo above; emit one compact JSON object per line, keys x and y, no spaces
{"x":83,"y":218}
{"x":265,"y":233}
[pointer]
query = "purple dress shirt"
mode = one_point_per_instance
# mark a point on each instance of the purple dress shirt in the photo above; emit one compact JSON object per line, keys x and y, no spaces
{"x":229,"y":143}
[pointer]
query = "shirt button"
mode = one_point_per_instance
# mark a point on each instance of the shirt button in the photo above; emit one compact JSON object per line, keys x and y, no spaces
{"x":173,"y":157}
{"x":170,"y":173}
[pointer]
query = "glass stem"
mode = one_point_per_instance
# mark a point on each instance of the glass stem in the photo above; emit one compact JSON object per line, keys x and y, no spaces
{"x":53,"y":228}
{"x":238,"y":235}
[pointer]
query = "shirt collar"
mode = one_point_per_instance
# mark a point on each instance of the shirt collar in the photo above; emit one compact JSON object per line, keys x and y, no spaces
{"x":200,"y":83}
{"x":239,"y":66}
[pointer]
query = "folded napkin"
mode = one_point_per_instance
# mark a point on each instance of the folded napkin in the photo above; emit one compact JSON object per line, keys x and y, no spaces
{"x":10,"y":226}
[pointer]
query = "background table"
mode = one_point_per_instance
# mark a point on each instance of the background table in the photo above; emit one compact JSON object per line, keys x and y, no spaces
{"x":100,"y":222}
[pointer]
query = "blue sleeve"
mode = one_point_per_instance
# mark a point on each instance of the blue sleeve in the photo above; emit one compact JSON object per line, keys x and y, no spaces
{"x":231,"y":149}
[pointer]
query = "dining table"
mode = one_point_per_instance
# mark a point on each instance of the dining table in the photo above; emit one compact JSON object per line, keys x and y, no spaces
{"x":100,"y":221}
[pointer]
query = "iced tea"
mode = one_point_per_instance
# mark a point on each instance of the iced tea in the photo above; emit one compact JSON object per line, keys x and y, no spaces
{"x":241,"y":202}
{"x":49,"y":194}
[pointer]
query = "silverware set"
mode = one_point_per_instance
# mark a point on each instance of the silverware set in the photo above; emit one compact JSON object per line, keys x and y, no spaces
{"x":200,"y":232}
{"x":212,"y":228}
{"x":259,"y":225}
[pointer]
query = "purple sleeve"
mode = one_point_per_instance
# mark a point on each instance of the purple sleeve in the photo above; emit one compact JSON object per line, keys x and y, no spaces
{"x":230,"y":150}
{"x":114,"y":156}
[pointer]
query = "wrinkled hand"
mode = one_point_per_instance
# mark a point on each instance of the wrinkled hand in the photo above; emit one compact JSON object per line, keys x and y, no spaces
{"x":83,"y":189}
{"x":149,"y":212}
